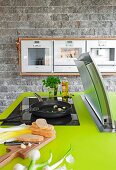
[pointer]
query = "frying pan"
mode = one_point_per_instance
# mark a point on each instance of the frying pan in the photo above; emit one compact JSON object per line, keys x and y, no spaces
{"x":50,"y":108}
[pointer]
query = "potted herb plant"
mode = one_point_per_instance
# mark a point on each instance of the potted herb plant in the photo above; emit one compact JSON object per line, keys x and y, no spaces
{"x":52,"y":82}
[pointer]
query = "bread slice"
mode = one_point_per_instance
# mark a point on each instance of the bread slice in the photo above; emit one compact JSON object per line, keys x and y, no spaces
{"x":42,"y":123}
{"x":42,"y":132}
{"x":42,"y":128}
{"x":50,"y":127}
{"x":30,"y":138}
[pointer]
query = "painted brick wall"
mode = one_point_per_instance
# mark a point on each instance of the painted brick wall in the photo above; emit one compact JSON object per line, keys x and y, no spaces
{"x":48,"y":18}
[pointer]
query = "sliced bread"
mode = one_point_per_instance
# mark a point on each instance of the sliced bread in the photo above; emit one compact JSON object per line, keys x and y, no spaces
{"x":47,"y":134}
{"x":50,"y":127}
{"x":42,"y":123}
{"x":30,"y":138}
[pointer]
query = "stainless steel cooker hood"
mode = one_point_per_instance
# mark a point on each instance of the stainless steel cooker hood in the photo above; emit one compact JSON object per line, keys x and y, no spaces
{"x":95,"y":96}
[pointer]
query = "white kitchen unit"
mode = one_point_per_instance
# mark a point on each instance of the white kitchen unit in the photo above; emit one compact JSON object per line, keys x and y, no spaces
{"x":36,"y":56}
{"x":45,"y":56}
{"x":65,"y":52}
{"x":104,"y":54}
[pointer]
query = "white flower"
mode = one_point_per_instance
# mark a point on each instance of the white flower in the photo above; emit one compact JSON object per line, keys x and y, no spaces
{"x":70,"y":159}
{"x":34,"y":154}
{"x":19,"y":167}
{"x":62,"y":168}
{"x":47,"y":168}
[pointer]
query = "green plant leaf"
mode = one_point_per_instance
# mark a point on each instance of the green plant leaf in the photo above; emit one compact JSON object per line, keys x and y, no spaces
{"x":51,"y":81}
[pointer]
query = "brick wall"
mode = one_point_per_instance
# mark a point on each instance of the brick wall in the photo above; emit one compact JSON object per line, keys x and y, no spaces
{"x":48,"y":18}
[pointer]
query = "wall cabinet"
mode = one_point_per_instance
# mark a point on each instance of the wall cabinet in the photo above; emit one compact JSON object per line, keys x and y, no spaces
{"x":65,"y":52}
{"x":104,"y":54}
{"x":42,"y":56}
{"x":36,"y":56}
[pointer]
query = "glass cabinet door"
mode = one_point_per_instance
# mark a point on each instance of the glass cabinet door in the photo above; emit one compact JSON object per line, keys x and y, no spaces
{"x":37,"y":56}
{"x":65,"y":52}
{"x":104,"y":54}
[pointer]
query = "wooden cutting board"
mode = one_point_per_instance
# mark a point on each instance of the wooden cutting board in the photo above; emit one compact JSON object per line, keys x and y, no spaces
{"x":17,"y":151}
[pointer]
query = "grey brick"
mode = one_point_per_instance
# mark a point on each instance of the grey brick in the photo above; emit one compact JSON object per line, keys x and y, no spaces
{"x":70,"y":3}
{"x":7,"y":32}
{"x":56,"y":17}
{"x":107,"y":16}
{"x":101,"y":16}
{"x":87,"y":31}
{"x":105,"y":24}
{"x":38,"y":17}
{"x":3,"y":103}
{"x":98,"y":2}
{"x":113,"y":24}
{"x":25,"y":3}
{"x":3,"y":89}
{"x":8,"y":74}
{"x":11,"y":95}
{"x":3,"y":24}
{"x":78,"y":16}
{"x":7,"y":46}
{"x":8,"y":95}
{"x":71,"y":9}
{"x":36,"y":9}
{"x":114,"y":9}
{"x":35,"y":32}
{"x":113,"y":31}
{"x":8,"y":39}
{"x":43,"y":24}
{"x":61,"y":32}
{"x":9,"y":53}
{"x":1,"y":82}
{"x":113,"y":2}
{"x":9,"y":67}
{"x":20,"y":25}
{"x":113,"y":17}
{"x":55,"y":9}
{"x":56,"y":3}
{"x":7,"y":17}
{"x":11,"y":81}
{"x":18,"y":3}
{"x":38,"y":2}
{"x":59,"y":17}
{"x":28,"y":81}
{"x":7,"y":9}
{"x":103,"y":31}
{"x":2,"y":108}
{"x":85,"y":24}
{"x":105,"y":9}
{"x":30,"y":9}
{"x":95,"y":17}
{"x":89,"y":9}
{"x":23,"y":88}
{"x":57,"y":24}
{"x":5,"y":3}
{"x":9,"y":61}
{"x":80,"y":9}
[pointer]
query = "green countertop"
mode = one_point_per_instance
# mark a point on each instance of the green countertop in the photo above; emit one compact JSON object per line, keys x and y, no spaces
{"x":92,"y":149}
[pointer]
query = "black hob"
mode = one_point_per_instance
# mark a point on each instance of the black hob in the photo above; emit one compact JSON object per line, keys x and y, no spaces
{"x":22,"y":114}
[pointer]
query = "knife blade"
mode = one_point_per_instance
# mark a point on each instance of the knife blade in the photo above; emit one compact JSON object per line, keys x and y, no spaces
{"x":18,"y":143}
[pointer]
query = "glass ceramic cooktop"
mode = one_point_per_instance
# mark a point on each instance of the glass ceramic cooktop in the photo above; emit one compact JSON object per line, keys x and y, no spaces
{"x":22,"y":113}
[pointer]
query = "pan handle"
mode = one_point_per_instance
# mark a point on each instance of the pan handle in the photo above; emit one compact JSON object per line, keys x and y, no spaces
{"x":38,"y":97}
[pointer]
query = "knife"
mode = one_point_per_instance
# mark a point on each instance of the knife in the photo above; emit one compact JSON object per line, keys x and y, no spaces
{"x":18,"y":143}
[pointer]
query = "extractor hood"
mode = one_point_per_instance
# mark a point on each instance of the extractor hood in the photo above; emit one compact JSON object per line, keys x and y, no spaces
{"x":95,"y":95}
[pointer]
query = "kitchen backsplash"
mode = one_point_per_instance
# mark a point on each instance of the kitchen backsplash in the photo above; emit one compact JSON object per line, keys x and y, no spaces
{"x":48,"y":18}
